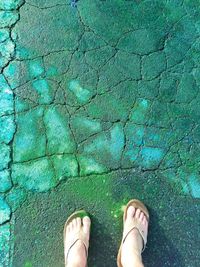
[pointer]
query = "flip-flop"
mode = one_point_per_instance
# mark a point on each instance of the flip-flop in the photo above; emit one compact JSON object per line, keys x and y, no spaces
{"x":135,"y":224}
{"x":78,"y":236}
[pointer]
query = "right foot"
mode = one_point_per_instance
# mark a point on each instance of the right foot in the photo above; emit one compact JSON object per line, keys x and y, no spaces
{"x":133,"y":243}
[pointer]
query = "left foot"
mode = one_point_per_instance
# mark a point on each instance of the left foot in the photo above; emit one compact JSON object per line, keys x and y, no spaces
{"x":76,"y":242}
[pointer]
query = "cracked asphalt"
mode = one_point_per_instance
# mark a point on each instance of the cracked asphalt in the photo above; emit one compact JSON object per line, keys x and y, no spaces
{"x":99,"y":103}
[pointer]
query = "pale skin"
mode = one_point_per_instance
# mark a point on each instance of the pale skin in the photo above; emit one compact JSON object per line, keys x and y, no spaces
{"x":131,"y":249}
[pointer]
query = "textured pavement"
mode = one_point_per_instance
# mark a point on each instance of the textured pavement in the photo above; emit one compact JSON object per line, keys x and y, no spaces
{"x":99,"y":103}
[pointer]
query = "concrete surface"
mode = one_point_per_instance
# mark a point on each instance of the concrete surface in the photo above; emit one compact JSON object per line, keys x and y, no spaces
{"x":99,"y":103}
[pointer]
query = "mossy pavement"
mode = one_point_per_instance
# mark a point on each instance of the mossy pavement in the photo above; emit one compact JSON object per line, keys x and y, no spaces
{"x":99,"y":103}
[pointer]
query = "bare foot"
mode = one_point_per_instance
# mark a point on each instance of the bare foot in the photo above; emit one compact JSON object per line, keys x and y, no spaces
{"x":133,"y":244}
{"x":76,"y":256}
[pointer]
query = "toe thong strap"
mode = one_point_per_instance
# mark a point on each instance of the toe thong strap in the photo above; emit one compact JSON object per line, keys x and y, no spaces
{"x":141,"y":229}
{"x":76,"y":238}
{"x":68,"y":249}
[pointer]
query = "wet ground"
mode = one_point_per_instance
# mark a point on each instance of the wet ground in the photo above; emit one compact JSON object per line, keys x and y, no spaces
{"x":99,"y":103}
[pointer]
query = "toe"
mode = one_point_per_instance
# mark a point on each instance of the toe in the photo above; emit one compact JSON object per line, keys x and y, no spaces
{"x":141,"y":216}
{"x":137,"y":214}
{"x":74,"y":223}
{"x":78,"y":222}
{"x":70,"y":227}
{"x":144,"y":220}
{"x":86,"y":224}
{"x":130,"y":212}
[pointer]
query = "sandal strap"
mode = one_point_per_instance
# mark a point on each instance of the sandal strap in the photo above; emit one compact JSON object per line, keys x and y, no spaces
{"x":135,"y":224}
{"x":80,"y":236}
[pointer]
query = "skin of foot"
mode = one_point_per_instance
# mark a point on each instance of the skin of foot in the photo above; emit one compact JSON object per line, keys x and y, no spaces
{"x":77,"y":256}
{"x":133,"y":244}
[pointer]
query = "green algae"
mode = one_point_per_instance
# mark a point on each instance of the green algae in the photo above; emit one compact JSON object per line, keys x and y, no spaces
{"x":135,"y":133}
{"x":57,"y":63}
{"x":8,"y":18}
{"x":10,"y":4}
{"x":5,"y":211}
{"x":142,"y":41}
{"x":6,"y":98}
{"x":5,"y":244}
{"x":5,"y":181}
{"x":98,"y":58}
{"x":45,"y":90}
{"x":56,"y":122}
{"x":151,"y":157}
{"x":35,"y":68}
{"x":66,"y":37}
{"x":83,"y":95}
{"x":4,"y":35}
{"x":11,"y":73}
{"x":104,"y":197}
{"x":88,"y":165}
{"x":16,"y":197}
{"x":29,"y":143}
{"x":140,"y":110}
{"x":137,"y":80}
{"x":28,"y":264}
{"x":4,"y":156}
{"x":7,"y":128}
{"x":37,"y":175}
{"x":194,"y":185}
{"x":6,"y":50}
{"x":65,"y":166}
{"x":128,"y":64}
{"x":110,"y":107}
{"x":90,"y":41}
{"x":186,"y":90}
{"x":84,"y":127}
{"x":153,"y":65}
{"x":106,"y":148}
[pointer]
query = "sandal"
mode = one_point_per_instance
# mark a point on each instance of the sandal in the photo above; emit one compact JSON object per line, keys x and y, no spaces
{"x":78,"y":236}
{"x":135,"y":224}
